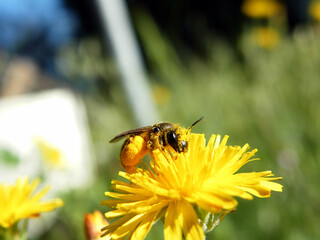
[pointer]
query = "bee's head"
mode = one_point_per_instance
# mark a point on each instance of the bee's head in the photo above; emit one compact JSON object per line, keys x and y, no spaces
{"x":178,"y":139}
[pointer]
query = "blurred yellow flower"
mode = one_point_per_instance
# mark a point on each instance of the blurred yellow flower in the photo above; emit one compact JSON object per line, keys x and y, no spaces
{"x":204,"y":177}
{"x":261,"y":8}
{"x":50,"y":154}
{"x":161,"y":94}
{"x":266,"y":37}
{"x":17,"y":202}
{"x":314,"y":10}
{"x":93,"y":222}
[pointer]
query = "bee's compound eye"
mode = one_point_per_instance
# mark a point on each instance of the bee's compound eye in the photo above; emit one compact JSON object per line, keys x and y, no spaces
{"x":173,"y":140}
{"x":172,"y":137}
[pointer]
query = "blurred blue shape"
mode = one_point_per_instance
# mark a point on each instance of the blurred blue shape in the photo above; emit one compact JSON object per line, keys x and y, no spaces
{"x":35,"y":23}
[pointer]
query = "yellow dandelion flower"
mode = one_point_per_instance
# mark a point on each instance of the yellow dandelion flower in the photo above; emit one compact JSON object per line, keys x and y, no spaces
{"x":266,"y":37}
{"x":261,"y":8}
{"x":161,"y":94}
{"x":93,"y":224}
{"x":50,"y":154}
{"x":205,"y":177}
{"x":18,"y":202}
{"x":314,"y":10}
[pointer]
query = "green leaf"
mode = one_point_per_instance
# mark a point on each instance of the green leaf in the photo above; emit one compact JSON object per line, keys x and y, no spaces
{"x":9,"y":158}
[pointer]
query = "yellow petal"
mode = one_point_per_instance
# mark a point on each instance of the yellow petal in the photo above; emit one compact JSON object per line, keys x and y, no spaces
{"x":127,"y":227}
{"x":190,"y":224}
{"x":172,"y":230}
{"x":181,"y":218}
{"x":145,"y":226}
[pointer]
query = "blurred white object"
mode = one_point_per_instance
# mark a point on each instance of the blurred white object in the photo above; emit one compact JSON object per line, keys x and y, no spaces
{"x":57,"y":117}
{"x":120,"y":33}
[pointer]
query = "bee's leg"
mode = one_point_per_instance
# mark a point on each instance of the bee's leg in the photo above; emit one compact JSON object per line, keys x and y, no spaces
{"x":133,"y":150}
{"x":155,"y":143}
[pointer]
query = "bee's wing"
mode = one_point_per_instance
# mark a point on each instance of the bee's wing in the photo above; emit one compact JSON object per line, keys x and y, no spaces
{"x":130,"y":132}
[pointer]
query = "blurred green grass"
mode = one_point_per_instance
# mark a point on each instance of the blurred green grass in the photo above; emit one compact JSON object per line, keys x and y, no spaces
{"x":267,"y":98}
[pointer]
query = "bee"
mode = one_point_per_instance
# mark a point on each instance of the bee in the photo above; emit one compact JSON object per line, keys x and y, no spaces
{"x":141,"y":141}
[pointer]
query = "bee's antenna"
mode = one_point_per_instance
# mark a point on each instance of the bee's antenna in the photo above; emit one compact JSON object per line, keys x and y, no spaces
{"x":200,"y":119}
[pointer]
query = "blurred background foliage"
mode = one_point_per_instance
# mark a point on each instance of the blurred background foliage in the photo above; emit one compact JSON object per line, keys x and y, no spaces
{"x":250,"y":67}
